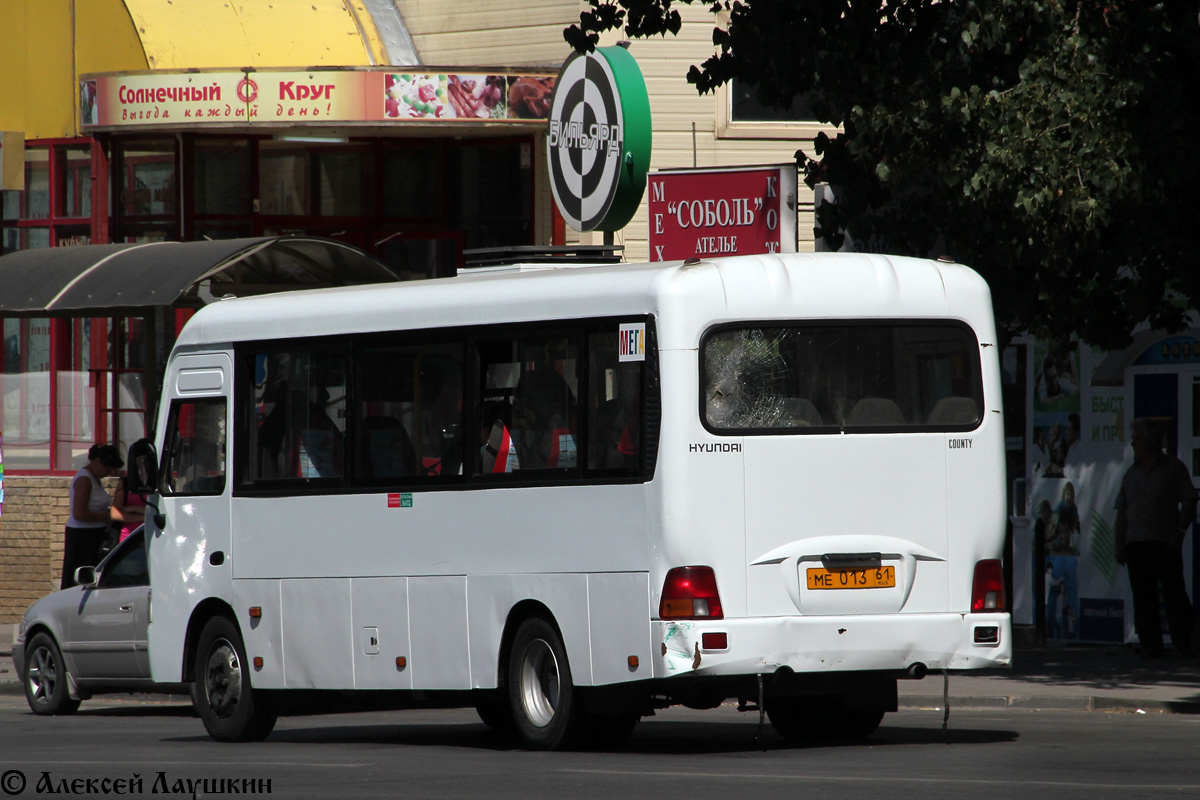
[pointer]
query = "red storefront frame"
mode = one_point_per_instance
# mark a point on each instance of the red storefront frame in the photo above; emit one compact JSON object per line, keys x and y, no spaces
{"x":445,"y":225}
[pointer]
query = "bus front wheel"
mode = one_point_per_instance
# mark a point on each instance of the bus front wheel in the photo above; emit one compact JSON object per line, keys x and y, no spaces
{"x":541,"y":696}
{"x":229,"y":707}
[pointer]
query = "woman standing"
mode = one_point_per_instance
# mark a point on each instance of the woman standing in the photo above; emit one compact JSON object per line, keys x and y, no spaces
{"x":91,"y":511}
{"x":131,"y":505}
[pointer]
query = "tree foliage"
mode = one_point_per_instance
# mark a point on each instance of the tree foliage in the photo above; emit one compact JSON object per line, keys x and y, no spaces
{"x":1048,"y":144}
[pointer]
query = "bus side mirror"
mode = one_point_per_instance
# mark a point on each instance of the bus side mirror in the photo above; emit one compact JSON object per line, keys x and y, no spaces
{"x":142,"y":475}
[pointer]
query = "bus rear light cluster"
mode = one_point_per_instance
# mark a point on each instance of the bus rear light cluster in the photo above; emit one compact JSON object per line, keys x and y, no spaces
{"x":987,"y":590}
{"x":690,"y":593}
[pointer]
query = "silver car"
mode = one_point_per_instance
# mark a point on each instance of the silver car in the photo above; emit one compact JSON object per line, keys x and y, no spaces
{"x":90,"y":638}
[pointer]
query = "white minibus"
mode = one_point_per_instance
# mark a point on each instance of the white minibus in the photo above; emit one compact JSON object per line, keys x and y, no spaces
{"x":571,"y":497}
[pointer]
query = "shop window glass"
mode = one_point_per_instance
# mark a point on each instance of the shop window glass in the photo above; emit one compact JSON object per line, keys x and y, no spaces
{"x":74,"y":166}
{"x":25,"y":388}
{"x":341,"y":181}
{"x":75,"y":423}
{"x":483,"y":173}
{"x":10,"y":240}
{"x":222,"y":176}
{"x":410,"y":183}
{"x":418,"y":256}
{"x":37,"y":183}
{"x":140,"y":234}
{"x":145,"y":177}
{"x":10,"y":205}
{"x":282,"y":180}
{"x":224,"y":229}
{"x":24,"y":238}
{"x":127,"y":355}
{"x":71,"y":235}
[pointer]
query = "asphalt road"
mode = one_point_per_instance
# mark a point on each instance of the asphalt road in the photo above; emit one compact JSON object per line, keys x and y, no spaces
{"x":680,"y":753}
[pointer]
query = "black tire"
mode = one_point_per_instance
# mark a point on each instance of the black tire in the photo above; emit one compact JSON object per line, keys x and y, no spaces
{"x":232,"y":711}
{"x":542,"y":699}
{"x":46,"y":677}
{"x":812,"y":720}
{"x":598,"y":732}
{"x":493,"y":708}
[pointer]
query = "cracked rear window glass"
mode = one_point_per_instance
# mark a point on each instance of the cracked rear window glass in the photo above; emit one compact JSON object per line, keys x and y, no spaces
{"x":842,"y":377}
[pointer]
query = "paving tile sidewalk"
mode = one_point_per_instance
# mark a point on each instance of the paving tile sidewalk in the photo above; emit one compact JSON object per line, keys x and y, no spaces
{"x":1080,"y":678}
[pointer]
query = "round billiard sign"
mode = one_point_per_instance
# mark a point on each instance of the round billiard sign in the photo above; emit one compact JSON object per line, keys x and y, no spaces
{"x":598,"y":146}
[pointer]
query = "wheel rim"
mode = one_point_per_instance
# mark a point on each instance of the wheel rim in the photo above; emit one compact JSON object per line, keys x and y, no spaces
{"x":223,"y":679}
{"x":539,"y":683}
{"x":43,"y":675}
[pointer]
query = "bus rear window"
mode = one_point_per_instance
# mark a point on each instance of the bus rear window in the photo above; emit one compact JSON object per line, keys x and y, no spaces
{"x":886,"y":376}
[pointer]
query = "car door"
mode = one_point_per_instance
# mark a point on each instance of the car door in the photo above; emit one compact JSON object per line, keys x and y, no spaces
{"x":107,"y":634}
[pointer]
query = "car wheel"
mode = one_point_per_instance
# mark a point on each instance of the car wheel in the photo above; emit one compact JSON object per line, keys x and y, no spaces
{"x":232,"y":711}
{"x":541,"y":696}
{"x":46,"y":677}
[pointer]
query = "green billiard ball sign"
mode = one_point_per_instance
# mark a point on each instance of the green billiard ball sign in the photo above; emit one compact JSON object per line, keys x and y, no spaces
{"x":598,"y":146}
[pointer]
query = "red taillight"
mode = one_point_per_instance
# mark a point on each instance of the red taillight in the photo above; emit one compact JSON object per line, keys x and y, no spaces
{"x":690,"y":593}
{"x":987,"y":591}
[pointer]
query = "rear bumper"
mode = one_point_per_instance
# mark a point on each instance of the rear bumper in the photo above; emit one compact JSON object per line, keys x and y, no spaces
{"x":893,"y":642}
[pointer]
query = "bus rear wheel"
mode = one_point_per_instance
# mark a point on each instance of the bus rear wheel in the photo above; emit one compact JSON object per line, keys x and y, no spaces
{"x":222,"y":695}
{"x":820,"y":719}
{"x":542,"y":699}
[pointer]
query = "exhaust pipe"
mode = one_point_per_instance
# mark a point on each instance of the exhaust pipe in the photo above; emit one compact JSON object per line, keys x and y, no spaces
{"x":916,"y":671}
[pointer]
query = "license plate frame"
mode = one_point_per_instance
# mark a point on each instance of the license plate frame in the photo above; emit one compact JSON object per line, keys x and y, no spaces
{"x":824,"y":578}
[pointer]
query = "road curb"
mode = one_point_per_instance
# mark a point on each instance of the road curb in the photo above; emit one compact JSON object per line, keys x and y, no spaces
{"x":1054,"y":703}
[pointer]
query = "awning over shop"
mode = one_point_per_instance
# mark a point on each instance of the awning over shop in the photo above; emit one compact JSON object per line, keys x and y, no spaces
{"x":130,"y":279}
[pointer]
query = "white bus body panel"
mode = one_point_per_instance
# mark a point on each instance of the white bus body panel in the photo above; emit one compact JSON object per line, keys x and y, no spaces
{"x":197,"y":527}
{"x":380,"y":608}
{"x":434,"y":582}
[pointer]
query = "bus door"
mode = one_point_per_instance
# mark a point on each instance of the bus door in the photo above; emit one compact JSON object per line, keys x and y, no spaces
{"x":190,"y":554}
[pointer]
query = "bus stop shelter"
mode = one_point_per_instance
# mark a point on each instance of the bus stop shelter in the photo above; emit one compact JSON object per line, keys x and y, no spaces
{"x":147,"y":280}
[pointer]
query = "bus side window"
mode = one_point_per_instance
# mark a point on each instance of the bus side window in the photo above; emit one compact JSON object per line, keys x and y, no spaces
{"x":300,"y":410}
{"x":528,"y":405}
{"x":615,"y":423}
{"x":410,"y":411}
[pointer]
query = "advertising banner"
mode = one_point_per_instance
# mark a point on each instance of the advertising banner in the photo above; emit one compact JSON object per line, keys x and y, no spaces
{"x":316,"y":97}
{"x":1082,"y":402}
{"x":722,"y":212}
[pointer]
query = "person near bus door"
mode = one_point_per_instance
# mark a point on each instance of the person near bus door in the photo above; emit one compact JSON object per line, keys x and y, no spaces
{"x":1155,"y":507}
{"x":92,"y":511}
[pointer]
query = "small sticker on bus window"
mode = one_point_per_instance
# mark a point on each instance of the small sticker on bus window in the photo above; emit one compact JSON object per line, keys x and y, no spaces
{"x":631,"y":342}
